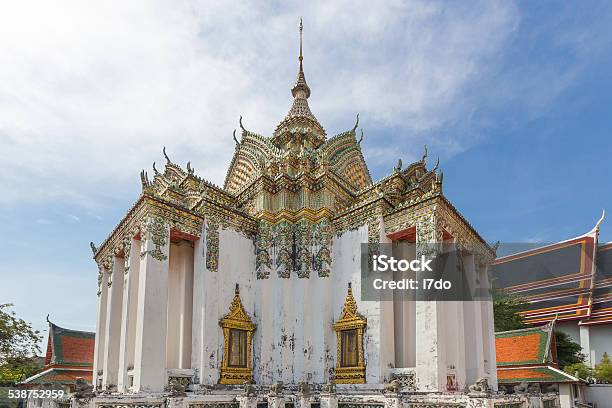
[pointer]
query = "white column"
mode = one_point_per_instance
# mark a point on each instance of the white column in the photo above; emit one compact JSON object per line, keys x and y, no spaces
{"x":474,"y":357}
{"x":488,"y":332}
{"x":113,"y":324}
{"x":585,"y":343}
{"x":128,"y":315}
{"x":100,"y":326}
{"x":150,"y":351}
{"x":198,"y":319}
{"x":319,"y":325}
{"x":207,"y":340}
{"x":430,"y":353}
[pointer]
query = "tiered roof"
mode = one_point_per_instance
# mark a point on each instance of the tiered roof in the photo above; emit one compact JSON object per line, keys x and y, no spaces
{"x":295,"y":174}
{"x":528,"y":355}
{"x":568,"y":280}
{"x":69,"y":356}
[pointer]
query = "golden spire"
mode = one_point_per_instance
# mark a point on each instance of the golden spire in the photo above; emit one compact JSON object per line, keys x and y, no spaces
{"x":300,"y":83}
{"x":301,"y":30}
{"x":299,"y":115}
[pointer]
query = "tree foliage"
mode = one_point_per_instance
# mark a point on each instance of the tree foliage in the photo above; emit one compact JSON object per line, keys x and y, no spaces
{"x":579,"y":370}
{"x":603,"y":370}
{"x":19,"y":344}
{"x":568,"y":351}
{"x":506,"y":308}
{"x":602,"y":373}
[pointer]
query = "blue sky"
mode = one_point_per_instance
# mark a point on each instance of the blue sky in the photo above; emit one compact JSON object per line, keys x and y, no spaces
{"x":513,"y":97}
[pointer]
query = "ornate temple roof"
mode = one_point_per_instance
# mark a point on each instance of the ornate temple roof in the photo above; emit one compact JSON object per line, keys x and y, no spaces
{"x":525,"y":346}
{"x":69,"y":356}
{"x":529,"y":355}
{"x":296,"y":173}
{"x":567,"y":280}
{"x":299,"y":120}
{"x":69,"y":347}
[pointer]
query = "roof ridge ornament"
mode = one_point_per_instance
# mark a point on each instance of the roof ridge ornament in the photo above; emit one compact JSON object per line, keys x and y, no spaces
{"x":603,"y":215}
{"x":166,"y":156}
{"x":300,"y":83}
{"x":424,"y":155}
{"x":356,"y":124}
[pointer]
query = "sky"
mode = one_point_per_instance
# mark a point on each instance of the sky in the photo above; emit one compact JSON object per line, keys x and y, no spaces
{"x":514,"y":98}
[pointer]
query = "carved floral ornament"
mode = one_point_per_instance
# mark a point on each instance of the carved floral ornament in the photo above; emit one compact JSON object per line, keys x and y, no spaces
{"x":301,"y":247}
{"x":238,"y":331}
{"x":157,"y":233}
{"x":350,"y":328}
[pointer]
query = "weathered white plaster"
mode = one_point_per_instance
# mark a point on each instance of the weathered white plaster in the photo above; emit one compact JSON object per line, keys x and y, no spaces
{"x":128,"y":316}
{"x":150,"y":347}
{"x":100,"y":329}
{"x":113,"y":325}
{"x":180,"y":304}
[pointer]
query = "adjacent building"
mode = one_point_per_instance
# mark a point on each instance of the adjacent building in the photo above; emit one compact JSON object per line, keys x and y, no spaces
{"x":527,"y":363}
{"x":570,"y":282}
{"x":68,"y":358}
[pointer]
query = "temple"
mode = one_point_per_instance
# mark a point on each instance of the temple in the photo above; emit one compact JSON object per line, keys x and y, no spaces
{"x":68,"y":359}
{"x":205,"y":287}
{"x":527,"y":362}
{"x":568,"y":282}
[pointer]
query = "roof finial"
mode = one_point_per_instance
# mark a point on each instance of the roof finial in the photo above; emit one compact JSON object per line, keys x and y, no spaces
{"x":301,"y":30}
{"x":300,"y":83}
{"x":603,"y":215}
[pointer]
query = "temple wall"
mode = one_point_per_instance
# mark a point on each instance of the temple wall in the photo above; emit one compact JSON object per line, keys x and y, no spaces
{"x":601,"y":341}
{"x":293,"y":317}
{"x":213,"y":294}
{"x":378,"y":336}
{"x":172,"y":307}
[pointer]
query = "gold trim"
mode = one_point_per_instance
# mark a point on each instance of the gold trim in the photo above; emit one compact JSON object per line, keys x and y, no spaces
{"x":350,"y":319}
{"x":237,"y":318}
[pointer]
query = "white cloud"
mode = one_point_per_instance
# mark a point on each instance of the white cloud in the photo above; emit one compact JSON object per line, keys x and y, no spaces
{"x":92,"y":91}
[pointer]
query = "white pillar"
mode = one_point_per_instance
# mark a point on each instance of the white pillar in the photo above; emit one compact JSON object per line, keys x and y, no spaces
{"x":113,"y":324}
{"x":430,"y":353}
{"x":206,"y":340}
{"x":565,"y":396}
{"x":100,"y":326}
{"x":585,"y":343}
{"x":128,"y":315}
{"x":474,"y":357}
{"x":488,"y":332}
{"x":150,"y":351}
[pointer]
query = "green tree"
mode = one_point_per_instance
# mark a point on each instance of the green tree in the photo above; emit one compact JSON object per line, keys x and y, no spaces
{"x":19,"y":344}
{"x":603,"y":370}
{"x":568,"y":351}
{"x":579,"y":370}
{"x":506,"y":308}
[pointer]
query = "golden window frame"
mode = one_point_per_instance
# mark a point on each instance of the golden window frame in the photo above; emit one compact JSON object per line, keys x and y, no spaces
{"x":350,"y":319}
{"x":236,"y":319}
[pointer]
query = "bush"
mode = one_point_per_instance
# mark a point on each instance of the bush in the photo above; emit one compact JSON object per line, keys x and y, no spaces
{"x":603,"y":370}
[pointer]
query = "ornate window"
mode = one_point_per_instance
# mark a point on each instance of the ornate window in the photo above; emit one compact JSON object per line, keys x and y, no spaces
{"x":238,"y":331}
{"x":350,"y":365}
